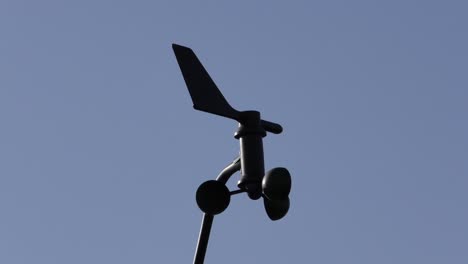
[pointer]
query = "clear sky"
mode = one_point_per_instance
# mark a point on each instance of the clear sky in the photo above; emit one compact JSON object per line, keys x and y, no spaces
{"x":101,"y":152}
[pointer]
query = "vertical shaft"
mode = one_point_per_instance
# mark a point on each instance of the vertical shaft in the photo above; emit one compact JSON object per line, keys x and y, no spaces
{"x":250,"y":136}
{"x":202,"y":244}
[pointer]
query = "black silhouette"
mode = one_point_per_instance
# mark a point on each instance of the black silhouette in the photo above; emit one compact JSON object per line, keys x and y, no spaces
{"x":213,"y":196}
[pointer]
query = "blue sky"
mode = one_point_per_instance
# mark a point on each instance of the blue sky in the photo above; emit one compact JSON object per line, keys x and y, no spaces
{"x":101,"y":152}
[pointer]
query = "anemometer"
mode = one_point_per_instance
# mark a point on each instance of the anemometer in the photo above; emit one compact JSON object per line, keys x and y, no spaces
{"x":213,"y":196}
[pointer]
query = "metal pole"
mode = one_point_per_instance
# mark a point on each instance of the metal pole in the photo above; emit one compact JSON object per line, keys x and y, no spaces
{"x":202,"y":244}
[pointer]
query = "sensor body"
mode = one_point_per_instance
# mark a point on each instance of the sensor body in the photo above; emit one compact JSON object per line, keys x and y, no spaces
{"x":250,"y":135}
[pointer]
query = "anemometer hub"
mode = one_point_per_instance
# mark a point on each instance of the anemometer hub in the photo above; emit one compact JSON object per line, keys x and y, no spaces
{"x":213,"y":197}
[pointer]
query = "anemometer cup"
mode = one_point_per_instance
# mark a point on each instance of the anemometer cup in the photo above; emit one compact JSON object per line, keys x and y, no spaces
{"x":276,"y":209}
{"x":213,"y":197}
{"x":276,"y":186}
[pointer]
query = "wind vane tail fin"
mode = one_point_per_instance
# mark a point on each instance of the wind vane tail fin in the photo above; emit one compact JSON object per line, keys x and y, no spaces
{"x":205,"y":94}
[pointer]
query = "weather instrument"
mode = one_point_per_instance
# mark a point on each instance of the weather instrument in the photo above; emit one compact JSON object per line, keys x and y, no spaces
{"x":213,"y":196}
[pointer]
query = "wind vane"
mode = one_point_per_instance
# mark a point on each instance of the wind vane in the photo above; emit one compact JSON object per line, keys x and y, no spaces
{"x":213,"y":196}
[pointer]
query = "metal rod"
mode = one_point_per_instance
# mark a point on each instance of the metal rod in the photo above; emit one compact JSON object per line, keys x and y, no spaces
{"x":229,"y":171}
{"x":207,"y":220}
{"x":202,"y":244}
{"x":236,"y":192}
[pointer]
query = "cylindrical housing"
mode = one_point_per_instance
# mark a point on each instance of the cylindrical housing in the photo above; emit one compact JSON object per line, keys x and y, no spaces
{"x":250,"y":136}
